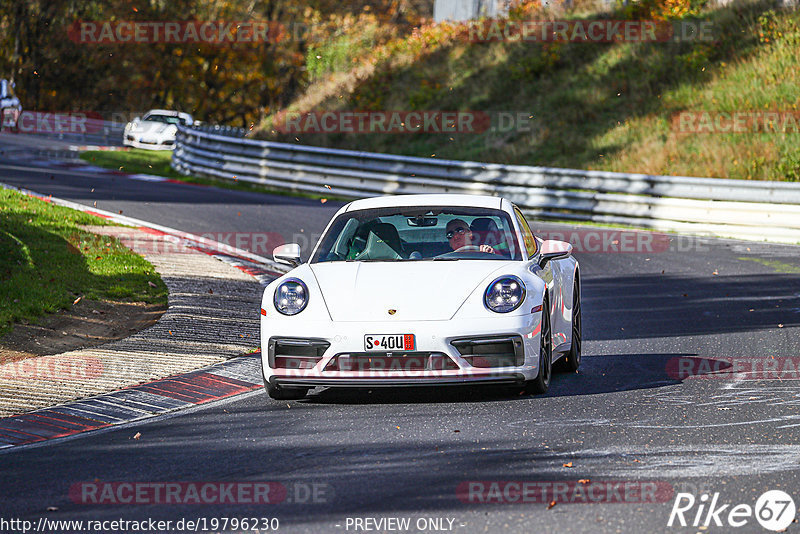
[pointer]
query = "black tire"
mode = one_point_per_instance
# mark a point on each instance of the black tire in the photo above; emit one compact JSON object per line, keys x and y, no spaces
{"x":572,"y":360}
{"x":541,"y":383}
{"x":285,"y":393}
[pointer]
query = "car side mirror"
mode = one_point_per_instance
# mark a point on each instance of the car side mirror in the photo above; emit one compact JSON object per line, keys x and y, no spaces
{"x":553,"y":250}
{"x":288,"y":254}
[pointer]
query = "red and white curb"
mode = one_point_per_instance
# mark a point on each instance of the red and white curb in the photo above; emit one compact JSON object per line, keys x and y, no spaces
{"x":219,"y":381}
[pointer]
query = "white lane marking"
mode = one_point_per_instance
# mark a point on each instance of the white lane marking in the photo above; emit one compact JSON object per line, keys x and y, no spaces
{"x":712,"y":425}
{"x":147,"y":178}
{"x":683,"y":461}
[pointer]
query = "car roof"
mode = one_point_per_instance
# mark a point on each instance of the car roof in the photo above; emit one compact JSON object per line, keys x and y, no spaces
{"x":168,"y":112}
{"x":443,"y":199}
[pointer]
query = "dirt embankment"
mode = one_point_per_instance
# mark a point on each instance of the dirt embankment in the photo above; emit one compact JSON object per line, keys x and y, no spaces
{"x":87,"y":324}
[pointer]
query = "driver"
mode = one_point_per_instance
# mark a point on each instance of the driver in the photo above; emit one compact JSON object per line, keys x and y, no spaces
{"x":459,"y":235}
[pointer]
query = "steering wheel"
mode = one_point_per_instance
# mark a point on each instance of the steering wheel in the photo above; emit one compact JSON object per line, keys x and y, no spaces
{"x":468,"y":248}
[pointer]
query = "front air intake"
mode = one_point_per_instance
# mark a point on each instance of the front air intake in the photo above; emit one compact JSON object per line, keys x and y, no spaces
{"x":493,"y":351}
{"x":388,"y":361}
{"x":295,"y":353}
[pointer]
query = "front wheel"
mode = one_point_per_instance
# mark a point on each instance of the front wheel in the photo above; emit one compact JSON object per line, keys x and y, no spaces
{"x":285,"y":393}
{"x":541,"y":383}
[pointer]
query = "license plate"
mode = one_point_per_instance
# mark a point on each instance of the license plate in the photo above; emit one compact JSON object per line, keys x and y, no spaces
{"x":388,"y":342}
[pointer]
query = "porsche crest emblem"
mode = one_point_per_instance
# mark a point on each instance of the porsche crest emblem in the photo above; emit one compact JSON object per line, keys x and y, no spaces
{"x":392,"y":312}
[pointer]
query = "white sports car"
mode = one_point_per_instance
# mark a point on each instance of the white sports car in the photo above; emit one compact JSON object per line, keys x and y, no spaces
{"x":156,"y":130}
{"x":422,"y":290}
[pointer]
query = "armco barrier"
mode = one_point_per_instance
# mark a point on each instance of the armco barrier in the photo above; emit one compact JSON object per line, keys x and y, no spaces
{"x":742,"y":209}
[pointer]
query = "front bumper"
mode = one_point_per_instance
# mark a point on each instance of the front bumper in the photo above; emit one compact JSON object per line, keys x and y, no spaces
{"x":155,"y":144}
{"x":506,"y":378}
{"x":347,"y":338}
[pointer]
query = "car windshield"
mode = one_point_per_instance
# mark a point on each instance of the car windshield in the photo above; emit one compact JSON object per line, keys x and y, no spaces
{"x":166,"y":119}
{"x":419,"y":234}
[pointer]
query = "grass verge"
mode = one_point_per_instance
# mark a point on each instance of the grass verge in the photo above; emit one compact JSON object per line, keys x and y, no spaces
{"x":777,"y":266}
{"x":47,"y":261}
{"x":134,"y":161}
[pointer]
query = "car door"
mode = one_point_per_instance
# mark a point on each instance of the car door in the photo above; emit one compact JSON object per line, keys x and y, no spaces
{"x":553,"y":276}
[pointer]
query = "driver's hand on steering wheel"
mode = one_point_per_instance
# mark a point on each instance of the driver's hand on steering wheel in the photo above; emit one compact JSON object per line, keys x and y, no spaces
{"x":486,"y":248}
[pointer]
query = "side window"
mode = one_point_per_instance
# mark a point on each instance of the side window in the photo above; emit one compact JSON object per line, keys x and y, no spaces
{"x":527,"y":235}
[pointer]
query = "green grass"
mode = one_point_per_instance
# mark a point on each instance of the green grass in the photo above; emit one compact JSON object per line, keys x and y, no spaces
{"x":134,"y":161}
{"x":336,"y":53}
{"x":605,"y":106}
{"x":47,"y":261}
{"x":775,"y":265}
{"x":157,"y":163}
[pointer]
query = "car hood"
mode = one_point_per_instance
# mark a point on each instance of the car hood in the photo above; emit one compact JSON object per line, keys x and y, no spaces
{"x":417,"y":290}
{"x":152,"y":127}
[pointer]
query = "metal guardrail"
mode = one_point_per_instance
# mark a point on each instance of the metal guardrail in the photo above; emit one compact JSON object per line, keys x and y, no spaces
{"x":229,"y":131}
{"x":741,"y":209}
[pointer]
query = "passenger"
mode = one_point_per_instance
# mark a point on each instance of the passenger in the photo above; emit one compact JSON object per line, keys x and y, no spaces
{"x":486,"y":232}
{"x":459,"y":236}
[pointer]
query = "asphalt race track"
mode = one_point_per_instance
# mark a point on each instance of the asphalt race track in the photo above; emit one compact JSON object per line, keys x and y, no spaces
{"x":633,"y":425}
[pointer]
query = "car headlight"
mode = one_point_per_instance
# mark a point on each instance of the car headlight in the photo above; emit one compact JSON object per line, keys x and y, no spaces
{"x":291,"y":297}
{"x":504,"y":294}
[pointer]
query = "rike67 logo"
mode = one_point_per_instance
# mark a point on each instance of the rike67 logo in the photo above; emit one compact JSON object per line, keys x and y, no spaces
{"x":774,"y":510}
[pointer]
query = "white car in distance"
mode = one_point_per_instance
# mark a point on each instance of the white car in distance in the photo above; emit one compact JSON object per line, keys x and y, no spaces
{"x":156,"y":130}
